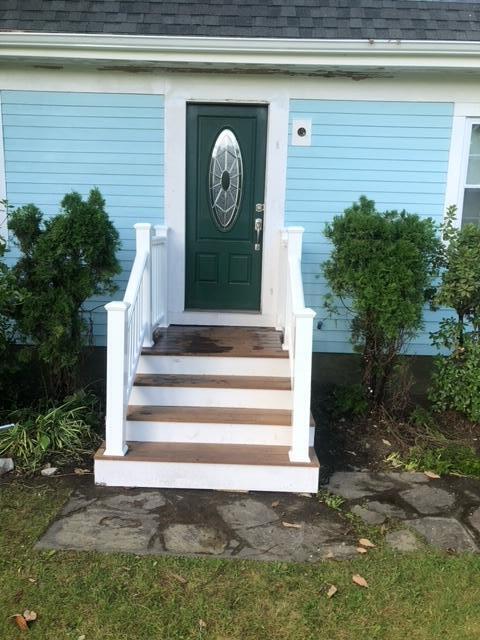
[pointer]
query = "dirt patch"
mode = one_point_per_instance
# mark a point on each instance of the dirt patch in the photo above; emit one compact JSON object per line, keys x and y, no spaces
{"x":365,"y":442}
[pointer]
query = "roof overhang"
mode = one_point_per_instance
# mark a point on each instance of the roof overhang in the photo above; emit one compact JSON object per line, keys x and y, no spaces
{"x":249,"y":53}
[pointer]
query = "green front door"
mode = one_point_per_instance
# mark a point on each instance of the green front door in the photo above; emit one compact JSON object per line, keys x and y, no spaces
{"x":226,"y":147}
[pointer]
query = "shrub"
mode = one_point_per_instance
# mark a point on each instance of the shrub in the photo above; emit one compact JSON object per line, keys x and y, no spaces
{"x":348,"y":401}
{"x":381,"y":269}
{"x":64,"y":261}
{"x":10,"y":298}
{"x":60,"y":434}
{"x":456,"y":376}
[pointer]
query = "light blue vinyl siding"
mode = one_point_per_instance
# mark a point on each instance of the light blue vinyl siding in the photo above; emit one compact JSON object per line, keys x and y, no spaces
{"x":396,"y":153}
{"x":56,"y":142}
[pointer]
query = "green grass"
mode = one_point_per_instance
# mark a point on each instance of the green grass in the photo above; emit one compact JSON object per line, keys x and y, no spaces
{"x":424,"y":596}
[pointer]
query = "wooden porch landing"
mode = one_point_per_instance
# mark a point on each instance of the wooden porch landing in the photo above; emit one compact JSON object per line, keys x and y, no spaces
{"x":243,"y":342}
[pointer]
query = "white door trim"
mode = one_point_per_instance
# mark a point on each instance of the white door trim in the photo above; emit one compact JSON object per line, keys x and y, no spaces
{"x":214,"y":89}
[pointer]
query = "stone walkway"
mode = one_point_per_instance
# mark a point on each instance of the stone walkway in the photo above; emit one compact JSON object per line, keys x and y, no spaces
{"x":412,"y":509}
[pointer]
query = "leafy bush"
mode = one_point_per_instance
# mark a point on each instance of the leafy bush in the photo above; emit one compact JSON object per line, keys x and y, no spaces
{"x":65,"y":260}
{"x":381,"y":270}
{"x":61,"y":434}
{"x":456,"y":377}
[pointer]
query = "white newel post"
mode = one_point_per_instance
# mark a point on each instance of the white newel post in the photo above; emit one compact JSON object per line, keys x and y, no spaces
{"x":294,"y":243}
{"x":161,"y":277}
{"x":302,"y":376}
{"x":117,"y":313}
{"x":143,"y":234}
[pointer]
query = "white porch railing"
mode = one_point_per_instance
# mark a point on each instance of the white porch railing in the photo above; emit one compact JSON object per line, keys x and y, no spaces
{"x":130,"y":326}
{"x":296,"y":320}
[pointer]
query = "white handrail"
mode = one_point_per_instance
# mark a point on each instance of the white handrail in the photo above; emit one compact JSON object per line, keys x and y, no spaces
{"x":130,"y":325}
{"x":297,"y":323}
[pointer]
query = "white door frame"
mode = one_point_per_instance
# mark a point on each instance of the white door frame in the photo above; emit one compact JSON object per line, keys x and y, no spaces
{"x":181,"y":90}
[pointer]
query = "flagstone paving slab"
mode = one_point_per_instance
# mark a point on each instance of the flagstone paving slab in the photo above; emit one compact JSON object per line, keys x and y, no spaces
{"x":403,"y":540}
{"x":428,"y":500}
{"x":444,"y":533}
{"x":388,"y":510}
{"x":191,"y":538}
{"x":267,"y":526}
{"x":359,"y":484}
{"x":474,"y":520}
{"x":102,"y":529}
{"x":247,"y":513}
{"x":368,"y":516}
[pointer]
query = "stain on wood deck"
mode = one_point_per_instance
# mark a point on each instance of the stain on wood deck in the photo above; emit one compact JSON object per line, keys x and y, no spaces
{"x":243,"y":342}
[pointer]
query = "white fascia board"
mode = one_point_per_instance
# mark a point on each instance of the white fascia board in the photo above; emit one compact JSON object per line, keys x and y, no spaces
{"x":250,"y":52}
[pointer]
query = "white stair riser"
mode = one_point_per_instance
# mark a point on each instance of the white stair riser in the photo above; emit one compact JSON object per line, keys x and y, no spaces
{"x":226,"y":477}
{"x":211,"y":433}
{"x":221,"y":366}
{"x":208,"y":397}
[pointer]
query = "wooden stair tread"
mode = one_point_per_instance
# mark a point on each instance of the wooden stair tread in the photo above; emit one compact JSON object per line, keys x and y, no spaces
{"x":253,"y":342}
{"x":236,"y":454}
{"x":221,"y":415}
{"x":228,"y":415}
{"x":213,"y":381}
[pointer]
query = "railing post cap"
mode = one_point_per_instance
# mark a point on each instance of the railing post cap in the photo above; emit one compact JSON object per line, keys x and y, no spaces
{"x":306,"y":313}
{"x":117,"y":305}
{"x":295,"y":229}
{"x":160,"y":231}
{"x":142,"y":225}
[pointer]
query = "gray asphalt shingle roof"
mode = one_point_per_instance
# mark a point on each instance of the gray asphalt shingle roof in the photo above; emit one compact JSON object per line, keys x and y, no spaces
{"x":345,"y":19}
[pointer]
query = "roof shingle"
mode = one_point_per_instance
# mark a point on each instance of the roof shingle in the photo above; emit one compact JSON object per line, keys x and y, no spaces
{"x":347,"y":19}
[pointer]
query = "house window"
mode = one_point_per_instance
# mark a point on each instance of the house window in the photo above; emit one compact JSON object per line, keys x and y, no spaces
{"x":471,"y":184}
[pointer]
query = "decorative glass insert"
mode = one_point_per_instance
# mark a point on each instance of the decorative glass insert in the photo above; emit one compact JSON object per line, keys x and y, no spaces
{"x":225,"y":179}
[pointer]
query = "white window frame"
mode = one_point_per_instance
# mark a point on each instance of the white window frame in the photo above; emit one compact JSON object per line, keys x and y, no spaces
{"x":469,"y":124}
{"x":465,"y":116}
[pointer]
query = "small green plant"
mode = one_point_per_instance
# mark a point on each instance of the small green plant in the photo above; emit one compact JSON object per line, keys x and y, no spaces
{"x":331,"y":500}
{"x":456,"y":376}
{"x":381,"y":271}
{"x":349,"y":401}
{"x":61,"y":434}
{"x":453,"y":459}
{"x":396,"y":461}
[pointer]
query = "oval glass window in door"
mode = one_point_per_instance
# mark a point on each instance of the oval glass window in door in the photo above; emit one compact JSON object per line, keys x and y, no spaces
{"x":225,"y":180}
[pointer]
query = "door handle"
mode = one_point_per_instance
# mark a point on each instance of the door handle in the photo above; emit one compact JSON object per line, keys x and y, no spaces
{"x":258,"y":229}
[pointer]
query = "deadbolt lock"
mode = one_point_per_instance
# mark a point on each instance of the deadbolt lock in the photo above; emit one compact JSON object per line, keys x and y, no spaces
{"x":259,"y":207}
